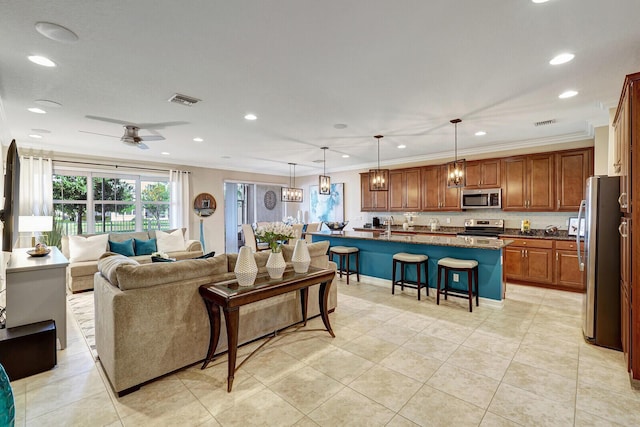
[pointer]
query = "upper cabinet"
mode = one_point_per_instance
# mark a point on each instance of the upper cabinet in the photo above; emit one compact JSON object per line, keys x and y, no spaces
{"x":622,"y":147}
{"x":572,"y":170}
{"x":528,"y":183}
{"x":372,"y":200}
{"x":436,"y":196}
{"x":483,"y":174}
{"x":404,"y":189}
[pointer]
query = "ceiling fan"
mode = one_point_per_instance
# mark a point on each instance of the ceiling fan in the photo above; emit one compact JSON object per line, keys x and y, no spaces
{"x":131,"y":136}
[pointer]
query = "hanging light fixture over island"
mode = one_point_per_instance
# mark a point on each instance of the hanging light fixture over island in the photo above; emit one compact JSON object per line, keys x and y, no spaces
{"x":456,"y":170}
{"x":378,"y":178}
{"x":324,"y":182}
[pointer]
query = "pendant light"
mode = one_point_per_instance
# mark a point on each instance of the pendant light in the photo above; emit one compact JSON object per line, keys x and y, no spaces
{"x":290,"y":193}
{"x":378,"y":178}
{"x":456,"y":170}
{"x":324,"y":183}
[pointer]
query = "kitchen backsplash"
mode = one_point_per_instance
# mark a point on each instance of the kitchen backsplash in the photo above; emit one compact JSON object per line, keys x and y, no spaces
{"x":538,"y":220}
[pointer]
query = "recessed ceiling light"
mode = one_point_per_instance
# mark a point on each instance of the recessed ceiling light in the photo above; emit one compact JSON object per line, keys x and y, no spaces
{"x":41,"y":130}
{"x":539,"y":1}
{"x":563,"y":58}
{"x":481,"y":133}
{"x":35,"y":136}
{"x":165,"y":153}
{"x":567,"y":94}
{"x":37,"y":110}
{"x":56,"y":32}
{"x":340,"y":126}
{"x":198,"y":139}
{"x":225,"y":157}
{"x":251,"y":116}
{"x":48,"y":103}
{"x":345,"y":156}
{"x":41,"y":60}
{"x":401,"y":146}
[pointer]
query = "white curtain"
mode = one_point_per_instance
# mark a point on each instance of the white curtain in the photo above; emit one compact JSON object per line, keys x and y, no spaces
{"x":180,"y":206}
{"x":36,"y":189}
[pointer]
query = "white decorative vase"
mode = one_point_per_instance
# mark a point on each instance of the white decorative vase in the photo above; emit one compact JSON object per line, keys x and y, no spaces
{"x":246,"y":268}
{"x":300,"y":257}
{"x":276,"y":265}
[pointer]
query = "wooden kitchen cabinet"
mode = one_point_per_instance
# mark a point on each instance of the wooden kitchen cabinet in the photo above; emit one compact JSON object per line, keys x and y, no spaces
{"x":529,"y":260}
{"x":372,"y":201}
{"x":404,"y":190}
{"x":528,"y":183}
{"x":483,"y":174}
{"x":436,"y":196}
{"x":622,"y":145}
{"x":625,"y":280}
{"x":567,"y":271}
{"x":572,"y":170}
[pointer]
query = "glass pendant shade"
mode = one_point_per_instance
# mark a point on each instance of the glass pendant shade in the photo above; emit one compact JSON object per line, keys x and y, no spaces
{"x":378,"y":178}
{"x":324,"y":182}
{"x":457,"y":169}
{"x":291,"y":193}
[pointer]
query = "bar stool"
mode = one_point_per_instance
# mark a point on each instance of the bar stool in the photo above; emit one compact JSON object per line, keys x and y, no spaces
{"x":462,"y":265}
{"x":345,"y":252}
{"x":405,"y":259}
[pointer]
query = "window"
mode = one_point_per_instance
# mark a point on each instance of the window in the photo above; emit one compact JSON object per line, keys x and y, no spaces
{"x":110,"y":203}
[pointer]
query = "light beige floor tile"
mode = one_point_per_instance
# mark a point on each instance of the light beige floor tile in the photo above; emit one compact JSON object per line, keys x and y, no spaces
{"x":613,"y":377}
{"x":271,"y":365}
{"x":622,"y":408}
{"x":482,"y":363}
{"x":343,"y":334}
{"x":400,"y":421}
{"x":551,"y":344}
{"x":363,"y":325}
{"x":97,"y":410}
{"x":392,"y":333}
{"x":431,"y":407}
{"x":181,"y":408}
{"x":557,"y":363}
{"x":431,"y":346}
{"x":501,"y":347}
{"x":465,"y":385}
{"x":149,"y":396}
{"x":19,"y":404}
{"x":63,"y":392}
{"x":306,"y":388}
{"x":415,"y":322}
{"x":381,"y":312}
{"x":386,"y":387}
{"x":413,"y":365}
{"x":370,"y":348}
{"x":306,"y":422}
{"x":264,"y":408}
{"x":75,"y":364}
{"x":530,"y":409}
{"x":585,"y":419}
{"x":541,"y":382}
{"x":493,"y":420}
{"x":341,"y":365}
{"x":449,"y":331}
{"x":350,"y":408}
{"x":304,"y":347}
{"x":603,"y":356}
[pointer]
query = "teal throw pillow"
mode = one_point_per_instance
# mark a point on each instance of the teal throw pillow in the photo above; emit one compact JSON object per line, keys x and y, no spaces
{"x":123,"y":248}
{"x":145,"y":247}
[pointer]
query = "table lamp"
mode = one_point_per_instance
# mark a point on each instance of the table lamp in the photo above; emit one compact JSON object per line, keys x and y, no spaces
{"x":34,"y":224}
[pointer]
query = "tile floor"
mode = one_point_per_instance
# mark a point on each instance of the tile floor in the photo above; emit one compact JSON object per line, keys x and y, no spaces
{"x":395,"y":361}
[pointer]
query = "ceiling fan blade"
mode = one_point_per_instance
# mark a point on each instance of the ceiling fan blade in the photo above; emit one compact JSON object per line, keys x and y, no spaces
{"x":142,"y":146}
{"x":101,"y":134}
{"x":161,"y":125}
{"x":107,"y":119}
{"x":152,"y":138}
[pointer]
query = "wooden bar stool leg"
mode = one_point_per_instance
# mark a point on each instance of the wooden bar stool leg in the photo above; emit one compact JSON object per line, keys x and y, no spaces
{"x":426,"y":276}
{"x":475,"y":273}
{"x":402,"y":265}
{"x":470,"y":288}
{"x":358,"y":266}
{"x":418,"y":268}
{"x":393,"y":278}
{"x":446,"y":282}
{"x":438,"y":286}
{"x":348,"y":267}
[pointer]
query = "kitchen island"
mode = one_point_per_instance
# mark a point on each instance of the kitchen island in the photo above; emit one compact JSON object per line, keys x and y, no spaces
{"x":377,"y":249}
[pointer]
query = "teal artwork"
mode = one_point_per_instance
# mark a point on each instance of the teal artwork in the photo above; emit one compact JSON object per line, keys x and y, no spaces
{"x":326,"y":207}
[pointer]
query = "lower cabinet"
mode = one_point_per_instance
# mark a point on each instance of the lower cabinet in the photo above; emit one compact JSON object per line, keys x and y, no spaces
{"x":568,"y":274}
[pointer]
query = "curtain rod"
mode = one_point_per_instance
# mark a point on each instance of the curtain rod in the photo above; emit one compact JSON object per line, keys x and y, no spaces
{"x":113,"y":166}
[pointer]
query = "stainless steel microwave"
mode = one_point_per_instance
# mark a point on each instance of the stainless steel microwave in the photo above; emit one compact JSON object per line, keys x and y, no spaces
{"x":486,"y":198}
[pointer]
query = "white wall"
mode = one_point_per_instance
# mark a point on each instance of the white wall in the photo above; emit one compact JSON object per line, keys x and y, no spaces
{"x":601,"y":151}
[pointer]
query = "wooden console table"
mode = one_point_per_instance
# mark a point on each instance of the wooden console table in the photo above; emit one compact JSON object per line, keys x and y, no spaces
{"x":230,"y":297}
{"x":36,"y":290}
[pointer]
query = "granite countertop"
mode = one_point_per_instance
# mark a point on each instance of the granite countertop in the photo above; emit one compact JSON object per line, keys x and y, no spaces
{"x":419,"y":239}
{"x":513,"y":233}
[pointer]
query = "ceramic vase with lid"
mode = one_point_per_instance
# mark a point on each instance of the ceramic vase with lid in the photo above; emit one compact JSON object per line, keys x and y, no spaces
{"x":246,"y":268}
{"x":300,"y":257}
{"x":276,"y":264}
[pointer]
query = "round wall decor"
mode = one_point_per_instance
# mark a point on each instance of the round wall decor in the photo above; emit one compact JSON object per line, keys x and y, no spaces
{"x":270,"y":199}
{"x":204,"y":204}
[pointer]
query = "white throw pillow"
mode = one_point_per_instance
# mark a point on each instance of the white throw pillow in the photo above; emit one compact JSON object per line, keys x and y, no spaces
{"x":87,"y":248}
{"x":170,"y":242}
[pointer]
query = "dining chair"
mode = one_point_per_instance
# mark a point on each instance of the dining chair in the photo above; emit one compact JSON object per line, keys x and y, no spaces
{"x":314,"y":226}
{"x":250,"y":239}
{"x":297,"y":234}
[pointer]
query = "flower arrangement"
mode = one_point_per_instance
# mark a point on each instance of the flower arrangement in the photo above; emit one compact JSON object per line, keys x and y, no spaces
{"x":274,"y":233}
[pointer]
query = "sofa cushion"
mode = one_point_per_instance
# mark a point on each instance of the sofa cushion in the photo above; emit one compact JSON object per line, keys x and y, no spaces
{"x":123,"y":248}
{"x":87,"y":248}
{"x":170,"y":242}
{"x":83,"y":268}
{"x":144,"y":247}
{"x":125,"y":235}
{"x":146,"y":275}
{"x":110,"y":262}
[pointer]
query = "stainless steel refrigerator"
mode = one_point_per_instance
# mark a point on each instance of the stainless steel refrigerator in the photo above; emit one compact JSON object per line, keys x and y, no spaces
{"x":601,"y":261}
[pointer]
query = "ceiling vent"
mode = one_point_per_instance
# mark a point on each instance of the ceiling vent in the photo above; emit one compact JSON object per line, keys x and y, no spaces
{"x":184,"y":99}
{"x":545,"y":122}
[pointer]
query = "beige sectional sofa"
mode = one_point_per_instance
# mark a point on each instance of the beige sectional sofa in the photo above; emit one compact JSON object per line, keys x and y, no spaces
{"x":150,"y":319}
{"x":80,"y":274}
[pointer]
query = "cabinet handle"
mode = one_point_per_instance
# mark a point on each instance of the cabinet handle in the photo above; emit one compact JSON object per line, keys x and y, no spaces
{"x":620,"y":229}
{"x":558,"y":202}
{"x":521,"y":253}
{"x":622,"y":205}
{"x":557,"y":256}
{"x":526,"y":253}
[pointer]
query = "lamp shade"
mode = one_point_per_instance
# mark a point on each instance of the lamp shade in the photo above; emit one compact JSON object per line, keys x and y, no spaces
{"x":33,"y":224}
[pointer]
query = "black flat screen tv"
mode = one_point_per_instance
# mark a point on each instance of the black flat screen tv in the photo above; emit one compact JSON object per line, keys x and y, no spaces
{"x":9,"y":214}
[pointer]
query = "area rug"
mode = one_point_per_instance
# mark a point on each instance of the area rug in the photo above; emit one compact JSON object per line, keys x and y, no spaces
{"x":81,"y":305}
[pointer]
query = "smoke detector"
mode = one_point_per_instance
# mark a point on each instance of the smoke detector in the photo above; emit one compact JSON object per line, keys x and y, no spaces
{"x":184,"y":99}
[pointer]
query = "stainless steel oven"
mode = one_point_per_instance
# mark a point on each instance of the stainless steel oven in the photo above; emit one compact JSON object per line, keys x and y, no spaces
{"x":481,"y":199}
